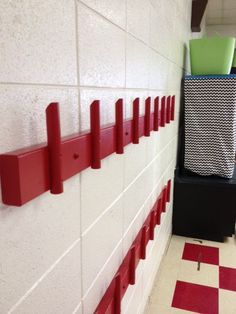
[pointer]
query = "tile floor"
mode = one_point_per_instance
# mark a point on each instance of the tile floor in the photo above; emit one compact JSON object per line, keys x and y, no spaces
{"x":196,"y":276}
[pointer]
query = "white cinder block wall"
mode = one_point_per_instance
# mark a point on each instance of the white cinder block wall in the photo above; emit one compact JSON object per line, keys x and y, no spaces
{"x":58,"y":253}
{"x":221,"y":30}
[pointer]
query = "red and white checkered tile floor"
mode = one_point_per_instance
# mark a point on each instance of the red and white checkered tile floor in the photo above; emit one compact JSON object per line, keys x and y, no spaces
{"x":184,"y":286}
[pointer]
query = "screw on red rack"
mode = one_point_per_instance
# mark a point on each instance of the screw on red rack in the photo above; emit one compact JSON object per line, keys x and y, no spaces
{"x":156,"y":114}
{"x":147,"y":126}
{"x":132,"y":265}
{"x":119,"y":127}
{"x":163,"y":111}
{"x":172,"y":116}
{"x":168,"y":109}
{"x":136,"y":121}
{"x":95,"y":135}
{"x":54,"y":148}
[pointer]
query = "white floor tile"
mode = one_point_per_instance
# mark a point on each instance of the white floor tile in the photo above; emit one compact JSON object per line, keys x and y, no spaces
{"x":208,"y":275}
{"x":227,"y":302}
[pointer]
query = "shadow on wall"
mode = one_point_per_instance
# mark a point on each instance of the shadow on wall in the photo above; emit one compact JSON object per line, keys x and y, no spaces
{"x":185,"y":58}
{"x":180,"y":148}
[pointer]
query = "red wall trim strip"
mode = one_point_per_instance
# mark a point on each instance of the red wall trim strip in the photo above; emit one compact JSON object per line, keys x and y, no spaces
{"x":111,"y":301}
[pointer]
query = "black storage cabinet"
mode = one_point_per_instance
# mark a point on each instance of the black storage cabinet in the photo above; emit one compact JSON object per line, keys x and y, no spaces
{"x":204,"y":207}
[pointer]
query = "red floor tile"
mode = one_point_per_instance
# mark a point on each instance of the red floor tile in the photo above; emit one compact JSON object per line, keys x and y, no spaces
{"x":228,"y":278}
{"x":195,"y":298}
{"x":206,"y":254}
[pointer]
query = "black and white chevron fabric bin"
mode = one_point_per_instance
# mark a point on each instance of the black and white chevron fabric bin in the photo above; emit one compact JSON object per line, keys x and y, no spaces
{"x":210,"y":124}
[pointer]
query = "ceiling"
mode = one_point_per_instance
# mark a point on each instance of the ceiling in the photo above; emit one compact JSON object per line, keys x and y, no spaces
{"x":221,"y":12}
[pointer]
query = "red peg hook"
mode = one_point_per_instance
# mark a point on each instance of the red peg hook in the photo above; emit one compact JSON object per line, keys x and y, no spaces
{"x":152,"y":225}
{"x":159,"y":210}
{"x":147,"y":126}
{"x":143,"y":242}
{"x":164,"y":199}
{"x":117,"y":296}
{"x":156,"y":114}
{"x":132,"y":265}
{"x":168,"y":109}
{"x":136,"y":121}
{"x":168,"y":190}
{"x":54,"y":148}
{"x":95,"y":134}
{"x":119,"y":127}
{"x":172,"y":115}
{"x":163,"y":111}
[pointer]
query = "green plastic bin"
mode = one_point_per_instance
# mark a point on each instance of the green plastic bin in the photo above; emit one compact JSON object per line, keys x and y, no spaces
{"x":213,"y":55}
{"x":234,"y":60}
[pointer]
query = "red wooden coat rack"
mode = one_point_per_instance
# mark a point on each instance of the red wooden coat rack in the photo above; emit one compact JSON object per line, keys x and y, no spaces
{"x":29,"y":172}
{"x":125,"y":276}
